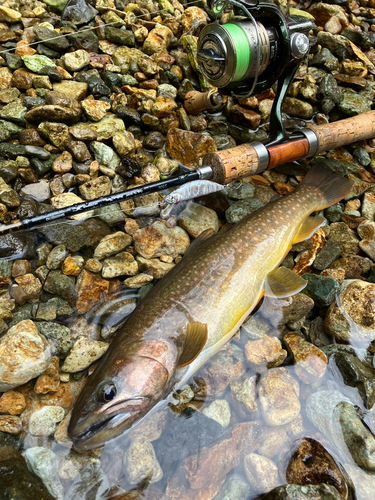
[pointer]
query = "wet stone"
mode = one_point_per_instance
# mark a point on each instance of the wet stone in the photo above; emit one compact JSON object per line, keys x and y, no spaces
{"x":353,"y":320}
{"x":306,"y":492}
{"x":220,"y":411}
{"x":265,"y":353}
{"x":121,"y":264}
{"x":310,"y":361}
{"x":329,"y":253}
{"x":44,"y":421}
{"x":45,"y":464}
{"x":12,"y":403}
{"x":140,"y":462}
{"x":189,"y":148}
{"x":321,"y":467}
{"x":196,"y":218}
{"x":261,"y":473}
{"x":235,"y":487}
{"x":322,"y":289}
{"x":242,"y":209}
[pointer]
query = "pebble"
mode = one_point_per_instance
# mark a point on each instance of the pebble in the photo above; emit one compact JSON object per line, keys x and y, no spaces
{"x":261,"y":473}
{"x":121,"y":264}
{"x":235,"y":487}
{"x":44,"y":421}
{"x":24,"y":355}
{"x":219,"y":410}
{"x":140,"y":462}
{"x":242,"y":209}
{"x":322,"y":289}
{"x":329,"y":253}
{"x":10,"y":424}
{"x":196,"y":218}
{"x":12,"y":403}
{"x":75,"y":61}
{"x":188,"y":148}
{"x":311,"y":362}
{"x":278,"y":397}
{"x":244,"y":392}
{"x":112,"y":244}
{"x":265,"y":353}
{"x":83,"y":353}
{"x":58,"y":336}
{"x":305,"y":492}
{"x":157,"y":240}
{"x":45,"y":464}
{"x":349,"y":319}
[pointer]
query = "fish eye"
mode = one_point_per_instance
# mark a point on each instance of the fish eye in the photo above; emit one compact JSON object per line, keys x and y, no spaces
{"x":107,"y":392}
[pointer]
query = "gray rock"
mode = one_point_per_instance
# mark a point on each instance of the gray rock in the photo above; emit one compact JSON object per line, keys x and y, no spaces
{"x":322,"y":289}
{"x":140,"y":462}
{"x":306,"y":492}
{"x":242,"y":209}
{"x":45,"y":464}
{"x":58,"y":336}
{"x":43,"y":422}
{"x":354,"y":104}
{"x":329,"y":253}
{"x":234,"y":488}
{"x":105,"y":155}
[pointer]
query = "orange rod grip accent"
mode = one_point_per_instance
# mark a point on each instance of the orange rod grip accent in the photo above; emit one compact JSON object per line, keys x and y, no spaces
{"x":289,"y":151}
{"x":336,"y":134}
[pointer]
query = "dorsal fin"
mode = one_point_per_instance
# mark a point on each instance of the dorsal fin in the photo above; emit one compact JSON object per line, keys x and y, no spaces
{"x":283,"y":283}
{"x":196,"y":338}
{"x":308,"y":228}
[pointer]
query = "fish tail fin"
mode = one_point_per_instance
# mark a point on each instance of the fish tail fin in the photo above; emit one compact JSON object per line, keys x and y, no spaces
{"x":332,"y":186}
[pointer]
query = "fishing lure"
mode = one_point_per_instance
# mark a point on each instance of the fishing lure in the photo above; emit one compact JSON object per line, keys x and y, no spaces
{"x":188,"y":191}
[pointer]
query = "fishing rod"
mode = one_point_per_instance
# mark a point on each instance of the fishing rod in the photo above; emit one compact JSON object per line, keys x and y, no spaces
{"x":241,"y":58}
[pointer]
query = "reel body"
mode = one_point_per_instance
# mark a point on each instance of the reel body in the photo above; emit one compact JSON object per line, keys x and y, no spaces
{"x":246,"y":57}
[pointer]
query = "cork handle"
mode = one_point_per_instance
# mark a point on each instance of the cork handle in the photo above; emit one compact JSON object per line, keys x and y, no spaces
{"x":242,"y":161}
{"x":336,"y":134}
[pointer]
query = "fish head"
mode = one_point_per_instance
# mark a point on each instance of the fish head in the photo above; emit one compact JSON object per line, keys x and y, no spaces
{"x":122,"y":389}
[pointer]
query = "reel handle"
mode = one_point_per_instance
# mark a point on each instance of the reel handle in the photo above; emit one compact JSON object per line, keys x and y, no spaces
{"x":195,"y":102}
{"x":244,"y":160}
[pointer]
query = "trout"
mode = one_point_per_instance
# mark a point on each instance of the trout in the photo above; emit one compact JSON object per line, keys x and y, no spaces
{"x":197,"y":307}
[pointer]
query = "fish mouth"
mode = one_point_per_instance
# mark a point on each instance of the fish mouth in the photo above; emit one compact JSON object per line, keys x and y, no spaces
{"x":97,"y":434}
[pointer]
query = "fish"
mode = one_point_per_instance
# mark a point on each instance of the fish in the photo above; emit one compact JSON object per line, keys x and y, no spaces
{"x":196,"y":308}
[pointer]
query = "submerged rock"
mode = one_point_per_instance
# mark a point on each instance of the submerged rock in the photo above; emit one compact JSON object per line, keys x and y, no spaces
{"x":311,"y":362}
{"x":140,"y":462}
{"x":45,"y":464}
{"x":297,"y":492}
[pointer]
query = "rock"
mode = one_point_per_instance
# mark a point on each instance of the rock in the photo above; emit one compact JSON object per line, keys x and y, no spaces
{"x":38,"y":64}
{"x":54,"y":113}
{"x":157,"y":40}
{"x":124,"y":143}
{"x":234,"y":488}
{"x":158,"y":240}
{"x":322,"y":289}
{"x":121,"y":264}
{"x":189,"y":148}
{"x":24,"y":355}
{"x":112,"y":244}
{"x":95,"y":110}
{"x":72,"y":464}
{"x":154,"y":267}
{"x":265,"y":353}
{"x":225,"y":367}
{"x":243,"y":391}
{"x":90,"y":289}
{"x":90,"y":483}
{"x":329,"y":253}
{"x":140,"y":462}
{"x":297,"y":492}
{"x":219,"y":410}
{"x":278,"y":397}
{"x":72,"y":89}
{"x":291,"y":312}
{"x":184,"y":434}
{"x":10,"y":424}
{"x":83,"y":353}
{"x":43,"y":422}
{"x":354,"y":104}
{"x":261,"y":473}
{"x":242,"y":209}
{"x":17,"y":246}
{"x":16,"y":481}
{"x":335,"y":416}
{"x":311,"y":362}
{"x":363,"y":481}
{"x":28,"y":289}
{"x":245,"y":117}
{"x":75,"y":61}
{"x":57,"y":133}
{"x":196,"y":218}
{"x":101,"y":186}
{"x":296,"y":107}
{"x":208,"y":466}
{"x":45,"y":464}
{"x":12,"y":403}
{"x":351,"y":317}
{"x":78,"y":12}
{"x":151,"y":428}
{"x":320,"y":467}
{"x":49,"y":381}
{"x":357,"y":374}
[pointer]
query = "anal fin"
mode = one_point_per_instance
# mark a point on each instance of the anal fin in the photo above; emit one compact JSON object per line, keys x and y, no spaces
{"x":283,"y":283}
{"x":196,"y":338}
{"x":308,"y":228}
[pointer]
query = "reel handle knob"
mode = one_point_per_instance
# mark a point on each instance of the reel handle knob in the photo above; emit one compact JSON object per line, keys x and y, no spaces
{"x":195,"y":101}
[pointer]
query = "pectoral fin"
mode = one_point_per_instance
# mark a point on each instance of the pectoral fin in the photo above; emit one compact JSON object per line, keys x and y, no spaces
{"x":196,"y":338}
{"x":283,"y":283}
{"x":308,"y":228}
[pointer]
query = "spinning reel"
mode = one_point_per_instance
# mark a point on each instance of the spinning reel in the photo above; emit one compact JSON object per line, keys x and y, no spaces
{"x":247,"y":56}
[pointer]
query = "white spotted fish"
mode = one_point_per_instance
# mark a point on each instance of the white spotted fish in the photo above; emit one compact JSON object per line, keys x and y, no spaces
{"x":196,"y":308}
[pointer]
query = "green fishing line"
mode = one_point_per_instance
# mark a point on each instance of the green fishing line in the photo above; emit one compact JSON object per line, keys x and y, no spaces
{"x":242,"y":45}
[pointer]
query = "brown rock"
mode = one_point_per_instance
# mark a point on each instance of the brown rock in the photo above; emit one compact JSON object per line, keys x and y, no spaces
{"x":307,"y":259}
{"x":72,"y":89}
{"x":20,"y":267}
{"x":345,"y":237}
{"x":155,"y":267}
{"x":189,"y":148}
{"x":49,"y":381}
{"x":22,"y":79}
{"x":12,"y":403}
{"x":30,"y":137}
{"x":211,"y":464}
{"x":177,"y":490}
{"x":163,"y":107}
{"x":101,"y":186}
{"x":30,"y":288}
{"x":265,"y":353}
{"x":311,"y":362}
{"x":245,"y":117}
{"x":311,"y":463}
{"x":69,"y":267}
{"x":90,"y":288}
{"x":63,"y":163}
{"x":278,"y":397}
{"x":158,"y":240}
{"x":282,"y":188}
{"x":351,"y":318}
{"x":169,"y":122}
{"x":54,"y":113}
{"x":226,"y":366}
{"x":261,"y":473}
{"x":10,"y":424}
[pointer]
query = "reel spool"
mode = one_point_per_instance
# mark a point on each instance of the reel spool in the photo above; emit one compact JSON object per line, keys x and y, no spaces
{"x":248,"y":56}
